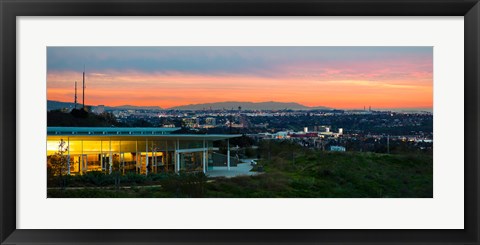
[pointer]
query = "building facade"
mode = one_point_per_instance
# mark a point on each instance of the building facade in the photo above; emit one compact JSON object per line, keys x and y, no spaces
{"x":139,"y":150}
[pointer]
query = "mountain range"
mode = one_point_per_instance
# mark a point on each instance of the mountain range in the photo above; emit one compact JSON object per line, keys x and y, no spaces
{"x":228,"y":105}
{"x":56,"y":105}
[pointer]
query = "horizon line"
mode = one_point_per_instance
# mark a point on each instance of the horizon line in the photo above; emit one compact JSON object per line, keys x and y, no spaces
{"x":312,"y":107}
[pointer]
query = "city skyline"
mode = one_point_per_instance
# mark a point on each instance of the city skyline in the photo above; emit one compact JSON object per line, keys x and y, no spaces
{"x":335,"y":77}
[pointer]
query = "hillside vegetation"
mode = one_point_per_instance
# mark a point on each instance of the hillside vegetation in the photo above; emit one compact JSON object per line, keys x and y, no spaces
{"x":62,"y":119}
{"x":329,"y":174}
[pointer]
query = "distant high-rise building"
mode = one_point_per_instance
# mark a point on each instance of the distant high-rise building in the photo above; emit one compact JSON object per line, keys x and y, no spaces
{"x":305,"y":129}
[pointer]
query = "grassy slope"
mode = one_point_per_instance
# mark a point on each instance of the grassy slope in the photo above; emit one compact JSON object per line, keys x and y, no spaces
{"x":328,"y":174}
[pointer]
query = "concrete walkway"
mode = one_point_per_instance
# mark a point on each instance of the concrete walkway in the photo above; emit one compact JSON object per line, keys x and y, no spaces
{"x":242,"y":169}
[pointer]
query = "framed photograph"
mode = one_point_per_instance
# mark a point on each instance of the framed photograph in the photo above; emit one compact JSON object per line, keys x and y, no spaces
{"x":170,"y":122}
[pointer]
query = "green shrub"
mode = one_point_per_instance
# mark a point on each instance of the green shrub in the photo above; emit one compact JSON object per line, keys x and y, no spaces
{"x":184,"y":184}
{"x":133,"y":178}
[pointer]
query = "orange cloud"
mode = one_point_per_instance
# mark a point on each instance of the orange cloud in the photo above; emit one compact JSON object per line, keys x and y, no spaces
{"x":336,"y":89}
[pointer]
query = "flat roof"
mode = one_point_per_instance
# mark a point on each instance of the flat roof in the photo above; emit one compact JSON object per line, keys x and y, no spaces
{"x":211,"y":137}
{"x":108,"y":131}
{"x":99,"y":133}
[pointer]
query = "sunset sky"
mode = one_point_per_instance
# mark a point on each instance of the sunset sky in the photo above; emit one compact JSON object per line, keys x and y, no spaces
{"x":337,"y":77}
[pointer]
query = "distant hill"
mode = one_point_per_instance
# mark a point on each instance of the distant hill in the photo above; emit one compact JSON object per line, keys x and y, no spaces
{"x":133,"y":107}
{"x":228,"y":105}
{"x":58,"y":105}
{"x":65,"y":119}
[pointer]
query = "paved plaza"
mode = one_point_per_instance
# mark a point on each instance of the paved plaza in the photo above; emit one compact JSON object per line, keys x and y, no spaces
{"x":242,"y":169}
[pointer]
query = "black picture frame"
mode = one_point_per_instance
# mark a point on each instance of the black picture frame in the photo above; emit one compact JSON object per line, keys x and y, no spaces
{"x":10,"y":9}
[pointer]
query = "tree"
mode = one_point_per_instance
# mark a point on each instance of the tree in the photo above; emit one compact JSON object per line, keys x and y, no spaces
{"x":58,"y":164}
{"x":117,"y":168}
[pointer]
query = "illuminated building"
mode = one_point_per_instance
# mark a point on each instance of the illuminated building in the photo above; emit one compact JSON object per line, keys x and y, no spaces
{"x":211,"y":121}
{"x":337,"y":148}
{"x":138,"y":150}
{"x":191,"y":122}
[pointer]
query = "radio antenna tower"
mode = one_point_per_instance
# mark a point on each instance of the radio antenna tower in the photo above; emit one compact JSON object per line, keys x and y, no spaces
{"x":83,"y":93}
{"x":75,"y":94}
